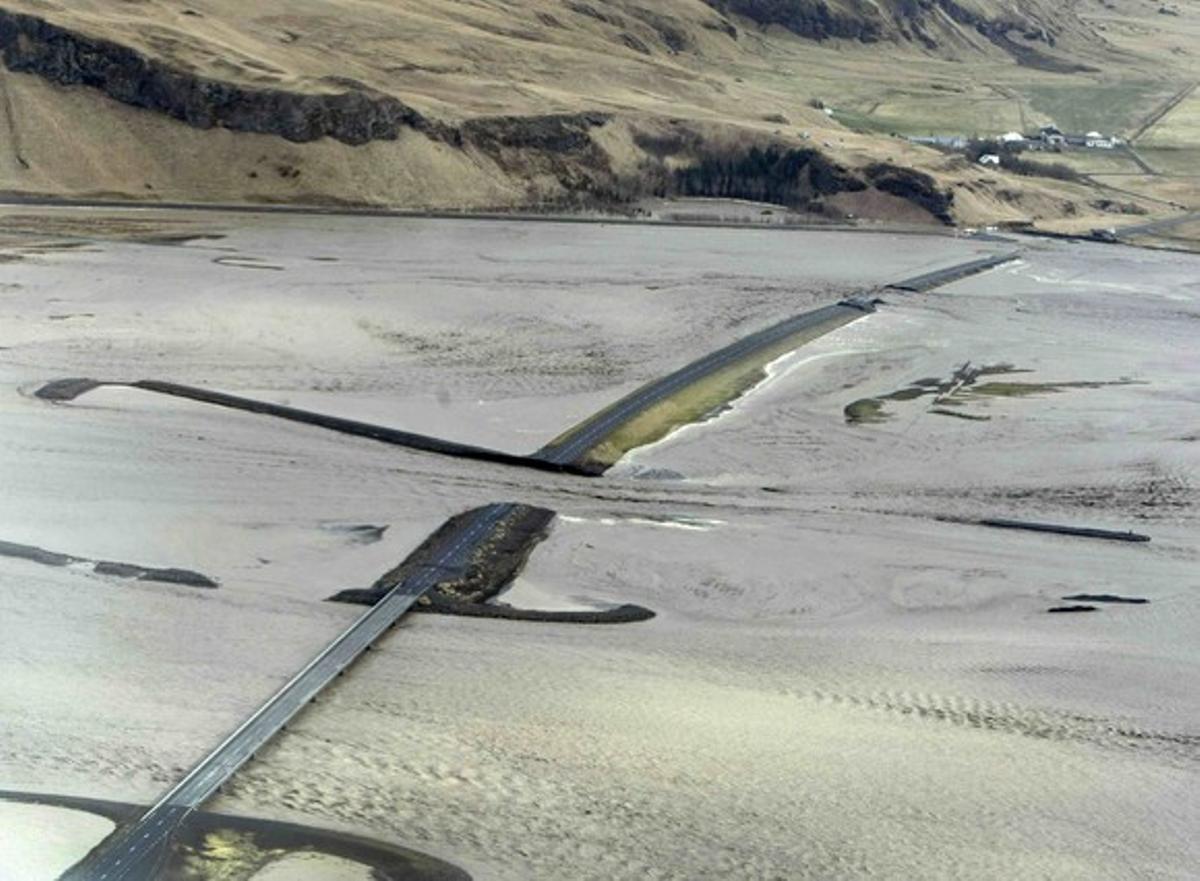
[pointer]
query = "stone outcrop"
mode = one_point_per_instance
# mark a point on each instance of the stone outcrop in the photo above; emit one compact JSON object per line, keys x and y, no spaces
{"x":813,"y":19}
{"x":801,"y":178}
{"x":913,"y":186}
{"x":552,"y":133}
{"x":557,"y":154}
{"x":554,"y":146}
{"x":33,"y":45}
{"x":1017,"y":31}
{"x":792,"y":177}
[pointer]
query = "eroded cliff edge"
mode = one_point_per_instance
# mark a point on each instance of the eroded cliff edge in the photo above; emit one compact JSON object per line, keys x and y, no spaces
{"x":29,"y":44}
{"x":561,"y":160}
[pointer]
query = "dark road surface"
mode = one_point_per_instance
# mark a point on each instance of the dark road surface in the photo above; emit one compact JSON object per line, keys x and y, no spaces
{"x":1156,"y":226}
{"x":572,"y":448}
{"x":350,"y":426}
{"x":939,"y":277}
{"x":568,"y":453}
{"x":137,"y":851}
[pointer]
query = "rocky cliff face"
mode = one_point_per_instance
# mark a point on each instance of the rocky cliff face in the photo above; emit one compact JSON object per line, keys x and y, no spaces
{"x":1017,"y":30}
{"x":801,"y":179}
{"x":556,"y":156}
{"x":33,"y":45}
{"x":813,"y":19}
{"x":555,"y":133}
{"x":796,"y":178}
{"x":912,"y":186}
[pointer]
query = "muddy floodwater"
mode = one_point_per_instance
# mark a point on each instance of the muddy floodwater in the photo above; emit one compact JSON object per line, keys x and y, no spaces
{"x":846,"y":675}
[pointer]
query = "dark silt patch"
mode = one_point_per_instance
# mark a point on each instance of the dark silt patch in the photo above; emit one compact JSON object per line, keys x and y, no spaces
{"x":866,"y":411}
{"x":247,"y":263}
{"x":182,"y":238}
{"x":973,"y":417}
{"x":1106,"y":598}
{"x":1064,"y":529}
{"x":66,"y":389}
{"x":35,"y":555}
{"x":171,"y":575}
{"x":357,"y":533}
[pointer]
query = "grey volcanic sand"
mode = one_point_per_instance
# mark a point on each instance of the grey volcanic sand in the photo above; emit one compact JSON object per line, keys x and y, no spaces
{"x":837,"y":684}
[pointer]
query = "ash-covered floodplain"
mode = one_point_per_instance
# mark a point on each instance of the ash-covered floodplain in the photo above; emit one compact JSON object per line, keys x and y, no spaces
{"x":840,"y":680}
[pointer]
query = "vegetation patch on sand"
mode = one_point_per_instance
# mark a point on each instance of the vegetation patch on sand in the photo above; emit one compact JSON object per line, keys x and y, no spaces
{"x":962,"y":388}
{"x":1027,"y":389}
{"x":701,"y":399}
{"x":227,"y":855}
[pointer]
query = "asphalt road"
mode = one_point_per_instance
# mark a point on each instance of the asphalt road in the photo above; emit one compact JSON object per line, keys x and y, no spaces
{"x":348,"y":426}
{"x":930,"y":280}
{"x":1156,"y":226}
{"x":571,"y":449}
{"x":569,"y":453}
{"x":63,"y":390}
{"x":1162,"y":110}
{"x":138,"y":851}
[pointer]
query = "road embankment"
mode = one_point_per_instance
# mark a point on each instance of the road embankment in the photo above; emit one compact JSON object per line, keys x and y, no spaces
{"x":469,"y":587}
{"x":648,"y":414}
{"x":712,"y":382}
{"x":192,"y":859}
{"x":114,"y":568}
{"x":66,"y":390}
{"x":690,"y":394}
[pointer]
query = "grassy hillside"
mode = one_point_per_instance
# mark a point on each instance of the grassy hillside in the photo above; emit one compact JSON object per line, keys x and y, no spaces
{"x":367,"y":101}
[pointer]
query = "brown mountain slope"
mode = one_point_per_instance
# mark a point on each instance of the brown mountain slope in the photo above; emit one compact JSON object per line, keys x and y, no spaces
{"x":366,"y":101}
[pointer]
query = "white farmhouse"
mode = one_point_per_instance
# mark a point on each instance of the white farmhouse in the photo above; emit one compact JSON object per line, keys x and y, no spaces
{"x":1051,"y":136}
